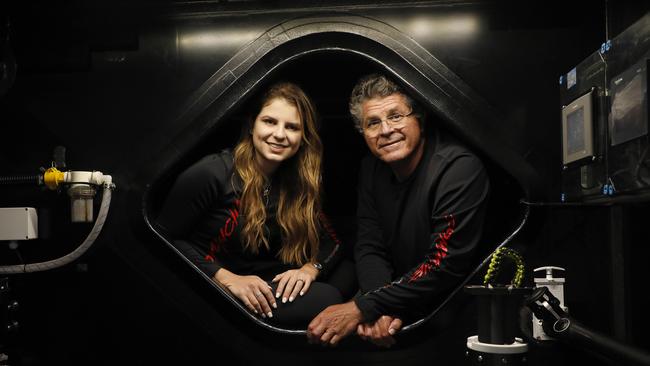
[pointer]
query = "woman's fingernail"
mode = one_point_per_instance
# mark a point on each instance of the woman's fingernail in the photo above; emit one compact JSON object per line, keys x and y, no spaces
{"x":277,"y":295}
{"x":270,"y":314}
{"x":302,"y":293}
{"x":263,"y":316}
{"x":284,"y":299}
{"x":275,"y":306}
{"x":291,"y":299}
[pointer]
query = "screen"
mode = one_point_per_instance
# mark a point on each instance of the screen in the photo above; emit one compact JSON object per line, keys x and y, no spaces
{"x":575,"y":131}
{"x":629,"y":118}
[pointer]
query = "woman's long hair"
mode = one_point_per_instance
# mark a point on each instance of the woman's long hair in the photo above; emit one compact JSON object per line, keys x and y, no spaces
{"x":299,"y":177}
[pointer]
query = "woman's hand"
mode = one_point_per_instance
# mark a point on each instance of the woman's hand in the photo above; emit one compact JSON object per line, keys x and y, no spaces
{"x":253,"y":291}
{"x":381,"y":331}
{"x":295,"y":281}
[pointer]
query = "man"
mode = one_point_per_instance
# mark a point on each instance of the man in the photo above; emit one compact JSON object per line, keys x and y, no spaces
{"x":422,"y":198}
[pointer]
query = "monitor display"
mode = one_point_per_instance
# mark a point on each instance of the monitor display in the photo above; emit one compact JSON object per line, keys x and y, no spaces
{"x":577,"y":129}
{"x":629,"y":114}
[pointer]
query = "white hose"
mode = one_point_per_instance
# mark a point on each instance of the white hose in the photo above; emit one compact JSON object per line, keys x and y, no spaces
{"x":59,"y":262}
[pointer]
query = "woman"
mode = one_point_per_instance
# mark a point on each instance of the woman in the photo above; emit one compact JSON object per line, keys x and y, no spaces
{"x":250,"y":219}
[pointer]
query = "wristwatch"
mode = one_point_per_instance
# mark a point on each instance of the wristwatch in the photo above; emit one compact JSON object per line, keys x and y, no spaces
{"x":317,"y":265}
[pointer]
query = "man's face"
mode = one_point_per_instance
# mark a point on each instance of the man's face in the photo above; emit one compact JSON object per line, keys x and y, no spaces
{"x":395,"y":143}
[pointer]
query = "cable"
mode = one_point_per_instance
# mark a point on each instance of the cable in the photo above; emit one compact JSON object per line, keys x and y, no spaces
{"x":75,"y":254}
{"x":606,"y":20}
{"x":21,"y":179}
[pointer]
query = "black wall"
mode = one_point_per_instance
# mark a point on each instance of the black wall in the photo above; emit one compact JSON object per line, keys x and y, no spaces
{"x":108,"y":81}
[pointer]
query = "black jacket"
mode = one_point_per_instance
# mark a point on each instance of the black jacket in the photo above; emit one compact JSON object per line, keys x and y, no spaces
{"x":417,"y":238}
{"x":201,"y":214}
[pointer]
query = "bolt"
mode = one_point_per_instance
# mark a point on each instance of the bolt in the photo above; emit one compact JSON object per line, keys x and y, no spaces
{"x":13,"y":306}
{"x":12,"y":326}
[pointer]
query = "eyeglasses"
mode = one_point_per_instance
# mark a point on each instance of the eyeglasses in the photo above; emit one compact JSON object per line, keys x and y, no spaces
{"x":372,"y":126}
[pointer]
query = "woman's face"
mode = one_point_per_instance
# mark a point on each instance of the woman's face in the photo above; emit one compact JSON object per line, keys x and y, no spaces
{"x":277,"y":133}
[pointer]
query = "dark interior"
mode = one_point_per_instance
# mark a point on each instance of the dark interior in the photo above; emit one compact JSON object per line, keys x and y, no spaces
{"x":343,"y":149}
{"x":113,"y":82}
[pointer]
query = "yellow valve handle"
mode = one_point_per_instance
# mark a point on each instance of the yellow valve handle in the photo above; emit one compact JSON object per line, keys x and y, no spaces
{"x":52,"y":178}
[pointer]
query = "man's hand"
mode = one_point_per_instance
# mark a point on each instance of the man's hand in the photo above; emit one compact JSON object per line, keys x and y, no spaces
{"x":334,"y":323}
{"x":381,"y":331}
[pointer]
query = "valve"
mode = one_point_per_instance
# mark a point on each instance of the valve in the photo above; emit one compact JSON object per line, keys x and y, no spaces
{"x":556,"y":286}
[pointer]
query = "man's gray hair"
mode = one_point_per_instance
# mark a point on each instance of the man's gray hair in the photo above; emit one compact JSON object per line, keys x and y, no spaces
{"x":373,"y":86}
